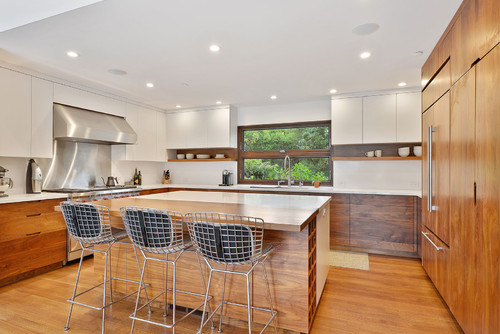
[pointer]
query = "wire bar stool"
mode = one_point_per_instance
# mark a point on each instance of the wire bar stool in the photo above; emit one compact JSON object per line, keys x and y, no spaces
{"x":231,"y":240}
{"x":156,"y":231}
{"x":90,"y":225}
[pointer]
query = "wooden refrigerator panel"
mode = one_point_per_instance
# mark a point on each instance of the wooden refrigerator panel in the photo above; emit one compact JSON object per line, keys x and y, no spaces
{"x":463,"y":229}
{"x":488,"y":180}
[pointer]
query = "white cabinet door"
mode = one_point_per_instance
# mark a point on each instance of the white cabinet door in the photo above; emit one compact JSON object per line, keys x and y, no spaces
{"x":42,"y":95}
{"x":146,"y":150}
{"x":195,"y":129}
{"x":87,"y":100}
{"x":379,"y":119}
{"x":161,"y":136}
{"x":133,"y":119}
{"x":409,"y":117}
{"x":347,"y":121}
{"x":175,"y":130}
{"x":15,"y":112}
{"x":218,"y":128}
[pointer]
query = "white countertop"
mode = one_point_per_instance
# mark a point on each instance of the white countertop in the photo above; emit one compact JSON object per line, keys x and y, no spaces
{"x":295,"y":189}
{"x":14,"y":198}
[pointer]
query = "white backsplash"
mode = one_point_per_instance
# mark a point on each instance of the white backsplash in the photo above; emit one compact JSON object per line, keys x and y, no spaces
{"x":17,"y":171}
{"x":151,"y":171}
{"x":208,"y":173}
{"x":382,"y":175}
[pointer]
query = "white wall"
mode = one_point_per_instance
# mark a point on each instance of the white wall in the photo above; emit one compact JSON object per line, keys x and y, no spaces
{"x":318,"y":110}
{"x":379,"y":175}
{"x":151,"y":171}
{"x":208,"y":173}
{"x":17,"y":171}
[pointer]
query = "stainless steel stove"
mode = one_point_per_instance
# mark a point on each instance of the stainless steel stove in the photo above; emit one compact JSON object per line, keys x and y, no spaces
{"x":92,"y":194}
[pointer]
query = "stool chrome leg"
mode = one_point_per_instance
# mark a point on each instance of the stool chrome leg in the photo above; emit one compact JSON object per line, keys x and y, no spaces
{"x":110,"y":277}
{"x":165,"y":284}
{"x":138,"y":294}
{"x":222,"y":300}
{"x":145,"y":289}
{"x":104,"y":292}
{"x":173,"y":295}
{"x":206,"y":298}
{"x":249,"y":306}
{"x":74,"y":289}
{"x":269,"y":296}
{"x":204,"y":287}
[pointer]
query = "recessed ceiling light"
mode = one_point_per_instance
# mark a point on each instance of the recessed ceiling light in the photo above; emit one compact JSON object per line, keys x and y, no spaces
{"x":214,"y":48}
{"x":365,"y":55}
{"x":365,"y":29}
{"x":333,"y":91}
{"x":72,"y":54}
{"x":273,"y":97}
{"x":402,"y":84}
{"x":150,"y":85}
{"x":178,"y":106}
{"x":117,"y":71}
{"x":218,"y":102}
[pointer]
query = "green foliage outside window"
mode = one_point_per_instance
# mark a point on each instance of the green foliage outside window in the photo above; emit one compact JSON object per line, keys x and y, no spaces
{"x":305,"y":138}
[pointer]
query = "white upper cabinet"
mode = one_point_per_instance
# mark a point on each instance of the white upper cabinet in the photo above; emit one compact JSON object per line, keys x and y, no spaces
{"x":42,"y":95}
{"x":347,"y":121}
{"x":386,"y":118}
{"x":15,"y":111}
{"x":150,"y":127}
{"x":87,"y":100}
{"x":161,"y":136}
{"x":379,"y":119}
{"x":409,"y":115}
{"x":207,"y":128}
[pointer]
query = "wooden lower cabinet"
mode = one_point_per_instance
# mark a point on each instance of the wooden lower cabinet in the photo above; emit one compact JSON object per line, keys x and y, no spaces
{"x":32,"y":239}
{"x":382,"y":224}
{"x":436,"y":262}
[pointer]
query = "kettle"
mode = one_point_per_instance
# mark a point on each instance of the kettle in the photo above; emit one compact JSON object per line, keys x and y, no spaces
{"x":5,"y":182}
{"x":112,"y":181}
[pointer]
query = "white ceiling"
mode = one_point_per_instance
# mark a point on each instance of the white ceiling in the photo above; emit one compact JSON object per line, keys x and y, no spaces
{"x":295,"y":49}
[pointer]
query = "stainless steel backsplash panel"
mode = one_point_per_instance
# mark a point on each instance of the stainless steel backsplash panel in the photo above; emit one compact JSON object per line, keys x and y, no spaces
{"x":78,"y":165}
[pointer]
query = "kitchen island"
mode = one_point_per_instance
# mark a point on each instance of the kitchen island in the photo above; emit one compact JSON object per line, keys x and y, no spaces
{"x":297,"y":268}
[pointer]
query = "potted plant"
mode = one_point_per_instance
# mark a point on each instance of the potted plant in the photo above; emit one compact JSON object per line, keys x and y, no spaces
{"x":318,"y":177}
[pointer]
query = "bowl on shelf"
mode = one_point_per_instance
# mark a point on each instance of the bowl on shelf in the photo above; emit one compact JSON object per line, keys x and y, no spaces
{"x":189,"y":156}
{"x":404,"y":151}
{"x":203,"y":156}
{"x":417,"y":150}
{"x":219,"y":156}
{"x":181,"y":156}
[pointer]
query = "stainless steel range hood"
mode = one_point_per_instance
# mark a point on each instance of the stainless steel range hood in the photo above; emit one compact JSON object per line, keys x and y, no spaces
{"x":81,"y":125}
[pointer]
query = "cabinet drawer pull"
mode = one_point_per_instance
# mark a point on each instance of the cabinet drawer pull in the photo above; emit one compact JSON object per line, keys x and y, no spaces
{"x":31,"y":234}
{"x":34,"y":215}
{"x":433,"y":244}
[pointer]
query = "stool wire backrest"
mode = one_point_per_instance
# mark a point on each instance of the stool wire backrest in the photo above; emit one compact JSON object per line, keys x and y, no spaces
{"x":153,"y":230}
{"x":226,"y":238}
{"x":87,"y":223}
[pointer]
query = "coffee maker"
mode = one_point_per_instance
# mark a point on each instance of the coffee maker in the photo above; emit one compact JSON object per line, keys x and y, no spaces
{"x":5,"y":182}
{"x":226,"y":178}
{"x":33,"y":178}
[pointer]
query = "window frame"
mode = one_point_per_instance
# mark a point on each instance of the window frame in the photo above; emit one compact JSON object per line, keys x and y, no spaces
{"x":318,"y":153}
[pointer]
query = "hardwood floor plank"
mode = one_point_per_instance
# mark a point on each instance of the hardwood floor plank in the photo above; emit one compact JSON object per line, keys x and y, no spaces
{"x":394,"y":296}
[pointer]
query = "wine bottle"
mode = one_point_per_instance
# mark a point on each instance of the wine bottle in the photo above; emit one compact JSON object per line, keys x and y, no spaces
{"x":139,"y":178}
{"x":136,"y":177}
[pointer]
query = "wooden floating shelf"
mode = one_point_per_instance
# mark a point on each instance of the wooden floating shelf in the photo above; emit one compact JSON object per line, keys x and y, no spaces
{"x":374,"y":158}
{"x":200,"y":160}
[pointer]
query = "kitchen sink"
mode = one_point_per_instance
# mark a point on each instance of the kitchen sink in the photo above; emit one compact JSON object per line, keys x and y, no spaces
{"x":265,"y":187}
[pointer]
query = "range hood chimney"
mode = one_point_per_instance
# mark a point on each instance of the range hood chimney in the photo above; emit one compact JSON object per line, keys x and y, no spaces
{"x":81,"y":125}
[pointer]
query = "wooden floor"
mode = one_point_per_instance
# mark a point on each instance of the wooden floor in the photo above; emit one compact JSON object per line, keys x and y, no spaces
{"x":394,"y":296}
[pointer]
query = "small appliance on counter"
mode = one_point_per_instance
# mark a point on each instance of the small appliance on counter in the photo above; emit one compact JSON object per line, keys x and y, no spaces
{"x":5,"y":182}
{"x":33,"y":178}
{"x":226,"y":178}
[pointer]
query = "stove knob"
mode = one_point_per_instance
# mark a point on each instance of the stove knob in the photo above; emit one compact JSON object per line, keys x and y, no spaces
{"x":84,"y":201}
{"x":105,"y":198}
{"x":95,"y":200}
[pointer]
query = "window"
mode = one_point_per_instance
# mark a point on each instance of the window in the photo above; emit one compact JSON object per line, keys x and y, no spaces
{"x":262,"y":149}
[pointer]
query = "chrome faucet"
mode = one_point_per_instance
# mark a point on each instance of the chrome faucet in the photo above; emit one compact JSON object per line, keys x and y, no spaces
{"x":289,"y":170}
